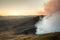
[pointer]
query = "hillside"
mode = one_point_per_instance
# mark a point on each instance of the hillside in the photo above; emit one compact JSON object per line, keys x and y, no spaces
{"x":18,"y":24}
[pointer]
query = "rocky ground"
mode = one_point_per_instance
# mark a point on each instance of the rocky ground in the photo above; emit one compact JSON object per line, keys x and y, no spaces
{"x":49,"y":36}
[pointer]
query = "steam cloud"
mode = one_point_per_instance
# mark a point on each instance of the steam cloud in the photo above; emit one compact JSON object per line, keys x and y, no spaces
{"x":50,"y":23}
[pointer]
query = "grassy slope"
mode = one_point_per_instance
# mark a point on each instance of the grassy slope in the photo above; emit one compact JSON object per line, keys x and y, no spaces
{"x":50,"y":36}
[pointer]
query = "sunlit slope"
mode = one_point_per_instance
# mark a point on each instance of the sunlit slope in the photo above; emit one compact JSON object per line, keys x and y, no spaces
{"x":49,"y":36}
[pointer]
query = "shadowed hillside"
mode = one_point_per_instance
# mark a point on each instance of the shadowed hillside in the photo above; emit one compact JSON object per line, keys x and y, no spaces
{"x":18,"y":25}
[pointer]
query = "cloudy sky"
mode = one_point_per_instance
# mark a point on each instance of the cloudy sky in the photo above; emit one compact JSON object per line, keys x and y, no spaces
{"x":15,"y":7}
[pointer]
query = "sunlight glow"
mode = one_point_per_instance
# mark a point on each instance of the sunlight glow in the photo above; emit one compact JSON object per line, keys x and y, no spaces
{"x":14,"y":12}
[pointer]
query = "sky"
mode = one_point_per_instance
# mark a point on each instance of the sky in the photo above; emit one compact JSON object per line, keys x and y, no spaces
{"x":21,"y":7}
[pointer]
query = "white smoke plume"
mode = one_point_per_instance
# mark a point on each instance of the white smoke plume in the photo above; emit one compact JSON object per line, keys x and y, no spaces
{"x":50,"y":23}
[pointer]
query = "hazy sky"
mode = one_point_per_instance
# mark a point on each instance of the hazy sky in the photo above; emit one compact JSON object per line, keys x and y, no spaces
{"x":21,"y":6}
